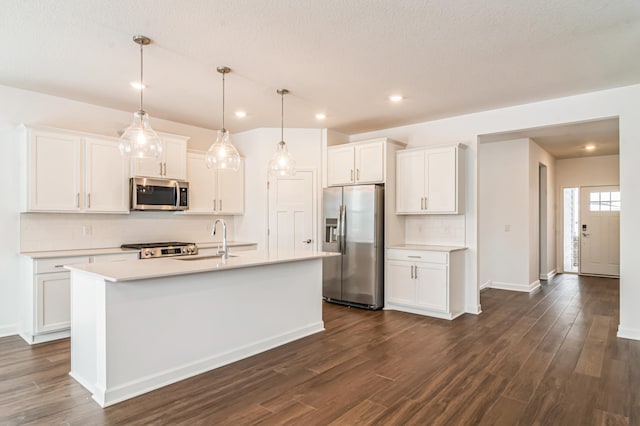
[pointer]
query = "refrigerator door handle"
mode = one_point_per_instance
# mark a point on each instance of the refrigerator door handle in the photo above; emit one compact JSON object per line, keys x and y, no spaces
{"x":343,"y":236}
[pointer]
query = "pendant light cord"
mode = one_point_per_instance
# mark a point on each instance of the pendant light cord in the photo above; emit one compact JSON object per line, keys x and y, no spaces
{"x":141,"y":79}
{"x":223,"y":128}
{"x":282,"y":118}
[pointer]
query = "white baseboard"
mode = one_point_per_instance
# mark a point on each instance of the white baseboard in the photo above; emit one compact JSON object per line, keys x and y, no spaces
{"x":530,"y":288}
{"x":548,"y":276}
{"x":46,"y":337}
{"x":9,"y":330}
{"x":628,"y":333}
{"x":485,"y":285}
{"x":111,"y":396}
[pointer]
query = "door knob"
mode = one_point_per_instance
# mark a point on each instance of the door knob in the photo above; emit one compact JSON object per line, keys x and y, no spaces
{"x":307,"y":241}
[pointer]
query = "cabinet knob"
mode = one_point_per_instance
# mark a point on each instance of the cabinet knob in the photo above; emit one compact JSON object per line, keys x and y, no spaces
{"x":307,"y":241}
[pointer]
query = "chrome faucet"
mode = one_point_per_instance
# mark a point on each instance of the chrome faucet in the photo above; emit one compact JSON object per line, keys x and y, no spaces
{"x":225,"y":250}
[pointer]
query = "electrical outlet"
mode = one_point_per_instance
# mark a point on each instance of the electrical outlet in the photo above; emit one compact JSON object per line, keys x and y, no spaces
{"x":86,"y":230}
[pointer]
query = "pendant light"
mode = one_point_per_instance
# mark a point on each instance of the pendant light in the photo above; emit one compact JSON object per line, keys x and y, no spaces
{"x":222,"y":155}
{"x":139,"y":140}
{"x":282,"y":162}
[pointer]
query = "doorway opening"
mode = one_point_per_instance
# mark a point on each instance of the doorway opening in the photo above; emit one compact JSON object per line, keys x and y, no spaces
{"x":571,"y":234}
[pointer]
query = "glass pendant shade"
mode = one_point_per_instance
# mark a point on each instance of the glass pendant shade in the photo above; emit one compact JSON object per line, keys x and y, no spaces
{"x":222,"y":154}
{"x":139,"y":140}
{"x":282,"y":162}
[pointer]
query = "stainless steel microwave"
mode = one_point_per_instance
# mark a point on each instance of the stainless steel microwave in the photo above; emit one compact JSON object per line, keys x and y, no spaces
{"x":159,"y":194}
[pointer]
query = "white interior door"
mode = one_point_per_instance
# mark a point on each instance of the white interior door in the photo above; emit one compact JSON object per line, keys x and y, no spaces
{"x":600,"y":230}
{"x":291,"y":212}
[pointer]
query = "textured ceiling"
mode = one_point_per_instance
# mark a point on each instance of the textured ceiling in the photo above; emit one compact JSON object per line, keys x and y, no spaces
{"x":343,"y":58}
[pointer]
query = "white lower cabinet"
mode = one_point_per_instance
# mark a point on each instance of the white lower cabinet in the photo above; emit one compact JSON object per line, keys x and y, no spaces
{"x":425,"y":282}
{"x":46,"y":294}
{"x":52,"y":295}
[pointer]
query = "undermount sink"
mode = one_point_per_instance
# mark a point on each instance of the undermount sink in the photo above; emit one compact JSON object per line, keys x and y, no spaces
{"x":213,"y":256}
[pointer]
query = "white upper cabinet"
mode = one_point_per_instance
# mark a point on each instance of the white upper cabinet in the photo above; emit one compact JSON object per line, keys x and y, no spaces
{"x":214,"y":192}
{"x":105,"y":172}
{"x":53,"y":171}
{"x":340,"y":165}
{"x":430,"y":181}
{"x":172,"y":164}
{"x":67,"y":171}
{"x":356,"y":163}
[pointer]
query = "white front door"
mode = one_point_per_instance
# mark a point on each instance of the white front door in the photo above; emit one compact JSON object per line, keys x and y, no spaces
{"x":600,"y":230}
{"x":291,"y":212}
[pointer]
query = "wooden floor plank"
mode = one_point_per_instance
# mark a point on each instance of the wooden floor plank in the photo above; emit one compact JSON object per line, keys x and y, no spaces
{"x":550,"y":357}
{"x":592,"y":355}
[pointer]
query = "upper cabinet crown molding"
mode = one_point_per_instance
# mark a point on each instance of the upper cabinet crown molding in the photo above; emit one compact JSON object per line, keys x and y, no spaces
{"x":361,"y":162}
{"x":430,"y":180}
{"x":70,"y":171}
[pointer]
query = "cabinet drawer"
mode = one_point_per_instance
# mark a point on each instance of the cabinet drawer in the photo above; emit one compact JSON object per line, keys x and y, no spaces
{"x":418,"y":255}
{"x":43,"y":266}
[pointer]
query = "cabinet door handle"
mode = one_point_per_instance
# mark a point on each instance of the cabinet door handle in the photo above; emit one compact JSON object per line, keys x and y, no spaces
{"x":421,"y":203}
{"x":351,"y":175}
{"x":220,"y":205}
{"x":415,"y":271}
{"x":426,"y":203}
{"x":214,"y":204}
{"x":357,"y":174}
{"x":165,"y":169}
{"x":415,"y":257}
{"x":411,"y":271}
{"x":78,"y":200}
{"x":89,"y":200}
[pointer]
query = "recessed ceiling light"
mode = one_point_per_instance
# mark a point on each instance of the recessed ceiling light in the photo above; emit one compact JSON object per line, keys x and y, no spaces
{"x":321,"y":116}
{"x":590,"y":147}
{"x":241,"y":114}
{"x":137,"y":85}
{"x":395,"y":98}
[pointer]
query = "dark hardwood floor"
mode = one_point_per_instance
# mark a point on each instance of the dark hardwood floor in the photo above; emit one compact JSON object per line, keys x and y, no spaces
{"x":551,"y":357}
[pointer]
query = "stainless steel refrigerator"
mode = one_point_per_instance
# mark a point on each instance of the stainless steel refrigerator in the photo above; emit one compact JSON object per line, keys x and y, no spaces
{"x":353,"y":219}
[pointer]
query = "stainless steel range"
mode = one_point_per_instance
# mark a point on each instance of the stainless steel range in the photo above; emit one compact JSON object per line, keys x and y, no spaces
{"x":151,"y":250}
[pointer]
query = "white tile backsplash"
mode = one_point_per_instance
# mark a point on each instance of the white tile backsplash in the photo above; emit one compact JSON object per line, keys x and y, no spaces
{"x":446,"y":230}
{"x":45,"y":231}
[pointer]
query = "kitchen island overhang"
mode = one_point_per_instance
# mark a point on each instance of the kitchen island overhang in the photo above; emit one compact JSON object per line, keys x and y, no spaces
{"x":142,"y":324}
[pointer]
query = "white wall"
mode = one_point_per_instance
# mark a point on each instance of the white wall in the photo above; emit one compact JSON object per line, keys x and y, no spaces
{"x":538,"y":156}
{"x":586,"y":171}
{"x":623,"y":103}
{"x":46,"y":231}
{"x":258,"y":146}
{"x":504,"y":213}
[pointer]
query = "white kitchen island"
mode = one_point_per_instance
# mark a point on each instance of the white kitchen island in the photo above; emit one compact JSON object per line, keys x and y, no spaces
{"x":142,"y":324}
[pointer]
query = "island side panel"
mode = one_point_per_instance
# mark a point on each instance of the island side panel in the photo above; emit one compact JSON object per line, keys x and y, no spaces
{"x":84,"y":321}
{"x":160,"y":331}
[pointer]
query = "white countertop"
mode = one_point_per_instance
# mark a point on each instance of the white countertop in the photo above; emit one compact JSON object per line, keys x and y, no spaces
{"x":129,"y":270}
{"x":112,"y":250}
{"x":425,"y":247}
